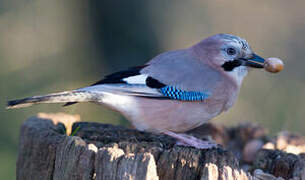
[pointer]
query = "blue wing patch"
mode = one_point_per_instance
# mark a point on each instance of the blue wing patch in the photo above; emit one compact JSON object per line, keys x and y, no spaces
{"x":174,"y":93}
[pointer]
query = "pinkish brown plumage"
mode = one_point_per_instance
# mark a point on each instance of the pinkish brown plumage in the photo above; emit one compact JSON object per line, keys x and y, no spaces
{"x":174,"y":92}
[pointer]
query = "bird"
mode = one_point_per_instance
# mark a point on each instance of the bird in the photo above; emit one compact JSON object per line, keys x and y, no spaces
{"x":174,"y":92}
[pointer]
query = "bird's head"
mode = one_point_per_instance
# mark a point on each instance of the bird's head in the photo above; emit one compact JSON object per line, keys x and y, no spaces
{"x":230,"y":54}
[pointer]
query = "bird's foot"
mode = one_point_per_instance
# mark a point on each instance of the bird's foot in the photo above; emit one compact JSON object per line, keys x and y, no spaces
{"x":187,"y":140}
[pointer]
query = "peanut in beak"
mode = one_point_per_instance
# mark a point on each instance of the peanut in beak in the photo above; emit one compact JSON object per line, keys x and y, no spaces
{"x":273,"y":65}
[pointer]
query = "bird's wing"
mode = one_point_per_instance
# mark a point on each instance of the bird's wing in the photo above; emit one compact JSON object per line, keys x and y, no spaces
{"x":184,"y":70}
{"x":176,"y":75}
{"x":145,"y":86}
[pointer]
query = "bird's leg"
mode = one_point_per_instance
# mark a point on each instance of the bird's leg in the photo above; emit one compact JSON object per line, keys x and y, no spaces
{"x":187,"y":140}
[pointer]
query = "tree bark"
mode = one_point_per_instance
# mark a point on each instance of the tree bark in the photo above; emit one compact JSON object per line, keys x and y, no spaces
{"x":107,"y":152}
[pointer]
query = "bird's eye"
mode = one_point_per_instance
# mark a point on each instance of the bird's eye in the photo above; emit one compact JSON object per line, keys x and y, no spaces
{"x":231,"y":51}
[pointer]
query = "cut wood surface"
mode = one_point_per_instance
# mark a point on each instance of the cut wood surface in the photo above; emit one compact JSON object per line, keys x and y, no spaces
{"x":102,"y":151}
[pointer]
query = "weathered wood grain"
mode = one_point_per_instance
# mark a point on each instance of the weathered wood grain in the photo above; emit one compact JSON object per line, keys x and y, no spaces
{"x":106,"y":152}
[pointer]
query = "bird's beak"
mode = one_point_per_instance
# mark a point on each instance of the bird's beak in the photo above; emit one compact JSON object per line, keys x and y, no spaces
{"x":255,"y":61}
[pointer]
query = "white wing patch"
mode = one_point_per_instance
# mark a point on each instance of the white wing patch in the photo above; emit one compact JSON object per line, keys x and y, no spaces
{"x":138,"y":79}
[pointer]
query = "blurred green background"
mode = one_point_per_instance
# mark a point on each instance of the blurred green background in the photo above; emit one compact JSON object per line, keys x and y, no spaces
{"x":51,"y":46}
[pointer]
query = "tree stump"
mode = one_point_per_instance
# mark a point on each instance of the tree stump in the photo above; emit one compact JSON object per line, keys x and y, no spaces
{"x":106,"y":152}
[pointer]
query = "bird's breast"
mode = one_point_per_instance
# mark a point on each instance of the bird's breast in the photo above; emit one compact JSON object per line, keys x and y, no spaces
{"x":163,"y":115}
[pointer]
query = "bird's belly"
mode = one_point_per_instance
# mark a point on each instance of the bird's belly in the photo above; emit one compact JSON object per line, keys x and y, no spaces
{"x":163,"y":115}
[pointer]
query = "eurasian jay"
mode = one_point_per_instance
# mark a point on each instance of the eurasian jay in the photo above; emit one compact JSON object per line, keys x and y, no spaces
{"x":174,"y":92}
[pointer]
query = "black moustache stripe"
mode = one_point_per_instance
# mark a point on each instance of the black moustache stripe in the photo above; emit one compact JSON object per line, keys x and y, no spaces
{"x":230,"y":65}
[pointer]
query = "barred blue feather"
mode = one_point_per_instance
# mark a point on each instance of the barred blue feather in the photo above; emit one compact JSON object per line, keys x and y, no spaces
{"x":177,"y":94}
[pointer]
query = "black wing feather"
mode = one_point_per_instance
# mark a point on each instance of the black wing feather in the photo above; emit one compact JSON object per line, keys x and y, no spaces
{"x":119,"y":76}
{"x":154,"y":83}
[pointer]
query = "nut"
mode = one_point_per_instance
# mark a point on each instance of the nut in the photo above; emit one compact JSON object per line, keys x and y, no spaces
{"x":273,"y":65}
